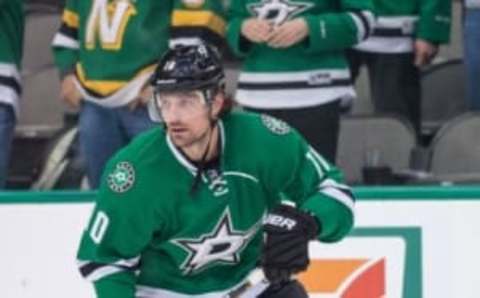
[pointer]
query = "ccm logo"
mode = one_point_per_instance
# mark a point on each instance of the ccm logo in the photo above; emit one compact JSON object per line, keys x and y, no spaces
{"x":280,"y":221}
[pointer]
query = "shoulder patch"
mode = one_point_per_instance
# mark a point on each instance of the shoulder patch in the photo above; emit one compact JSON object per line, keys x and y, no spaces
{"x":122,"y":177}
{"x":275,"y":125}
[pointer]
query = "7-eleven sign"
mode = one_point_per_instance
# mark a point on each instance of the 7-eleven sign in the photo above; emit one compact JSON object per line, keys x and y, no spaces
{"x":344,"y":278}
{"x":371,"y":263}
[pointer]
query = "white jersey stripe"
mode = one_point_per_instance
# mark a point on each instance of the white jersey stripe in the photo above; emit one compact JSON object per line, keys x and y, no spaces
{"x":293,"y":76}
{"x":11,"y":97}
{"x":406,"y":23}
{"x":362,"y":32}
{"x":386,"y":45}
{"x":103,"y":272}
{"x":10,"y":70}
{"x":150,"y":292}
{"x":332,"y":183}
{"x":322,"y":160}
{"x":316,"y":165}
{"x":62,"y":40}
{"x":128,"y":262}
{"x":292,"y":98}
{"x":338,"y":195}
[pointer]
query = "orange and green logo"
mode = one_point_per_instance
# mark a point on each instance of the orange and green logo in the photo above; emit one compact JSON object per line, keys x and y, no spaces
{"x":372,"y":262}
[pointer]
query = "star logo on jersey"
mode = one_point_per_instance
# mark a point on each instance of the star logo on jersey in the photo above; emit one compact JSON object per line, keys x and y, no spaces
{"x":122,"y":178}
{"x":275,"y":125}
{"x":278,"y":11}
{"x":223,"y":244}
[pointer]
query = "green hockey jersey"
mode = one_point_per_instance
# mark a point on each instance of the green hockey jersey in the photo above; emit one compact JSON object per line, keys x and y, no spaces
{"x":150,"y":235}
{"x":112,"y":45}
{"x":398,"y":23}
{"x":308,"y":73}
{"x":11,"y":50}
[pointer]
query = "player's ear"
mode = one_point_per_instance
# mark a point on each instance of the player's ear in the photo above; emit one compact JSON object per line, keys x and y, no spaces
{"x":217,"y":104}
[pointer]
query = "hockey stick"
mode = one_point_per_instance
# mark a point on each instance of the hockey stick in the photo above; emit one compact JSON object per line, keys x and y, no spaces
{"x":255,"y":284}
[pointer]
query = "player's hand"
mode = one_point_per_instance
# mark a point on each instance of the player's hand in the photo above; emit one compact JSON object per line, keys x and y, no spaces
{"x":285,"y":251}
{"x":256,"y":30}
{"x":424,"y":52}
{"x":288,"y":33}
{"x":290,"y":289}
{"x":69,"y":92}
{"x":142,"y":99}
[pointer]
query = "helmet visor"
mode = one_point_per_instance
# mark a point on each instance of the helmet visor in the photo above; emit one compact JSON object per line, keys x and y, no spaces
{"x":184,"y":105}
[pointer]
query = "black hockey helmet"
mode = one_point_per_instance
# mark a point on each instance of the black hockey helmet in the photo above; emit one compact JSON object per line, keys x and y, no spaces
{"x":192,"y":67}
{"x":187,"y":68}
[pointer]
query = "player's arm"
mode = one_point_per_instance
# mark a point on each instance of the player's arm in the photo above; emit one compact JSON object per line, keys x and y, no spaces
{"x":317,"y":188}
{"x":237,"y":14}
{"x":324,"y":211}
{"x":434,"y":21}
{"x":342,"y":29}
{"x":299,"y":174}
{"x":194,"y":22}
{"x":323,"y":206}
{"x":121,"y":225}
{"x":65,"y":43}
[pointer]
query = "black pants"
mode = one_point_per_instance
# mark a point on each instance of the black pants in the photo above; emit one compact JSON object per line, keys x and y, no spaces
{"x":319,"y":125}
{"x":394,"y":82}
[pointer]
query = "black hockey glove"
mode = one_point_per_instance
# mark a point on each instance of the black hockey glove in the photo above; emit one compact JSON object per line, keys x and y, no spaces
{"x":285,"y":250}
{"x":290,"y":289}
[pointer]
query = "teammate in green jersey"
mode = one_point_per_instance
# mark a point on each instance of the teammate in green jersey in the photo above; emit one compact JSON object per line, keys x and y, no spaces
{"x":107,"y":49}
{"x":293,"y":61}
{"x":405,"y":37}
{"x":180,"y":210}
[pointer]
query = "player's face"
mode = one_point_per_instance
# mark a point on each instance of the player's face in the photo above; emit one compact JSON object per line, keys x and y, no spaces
{"x":186,"y":116}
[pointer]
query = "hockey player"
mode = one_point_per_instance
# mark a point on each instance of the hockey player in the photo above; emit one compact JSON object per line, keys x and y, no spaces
{"x":294,"y":66}
{"x":180,"y":210}
{"x":11,"y":49}
{"x":405,"y":37}
{"x":106,"y":50}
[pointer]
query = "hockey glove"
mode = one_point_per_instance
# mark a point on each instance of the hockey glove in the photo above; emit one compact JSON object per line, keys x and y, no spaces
{"x":285,"y":250}
{"x":290,"y":289}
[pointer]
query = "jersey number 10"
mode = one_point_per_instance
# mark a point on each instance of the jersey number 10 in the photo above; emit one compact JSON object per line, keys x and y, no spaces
{"x":99,"y":227}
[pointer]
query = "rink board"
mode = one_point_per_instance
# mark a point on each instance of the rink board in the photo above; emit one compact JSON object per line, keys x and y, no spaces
{"x":407,"y":243}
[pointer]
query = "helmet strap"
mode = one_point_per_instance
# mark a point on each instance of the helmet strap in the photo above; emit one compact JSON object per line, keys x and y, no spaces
{"x":203,"y":161}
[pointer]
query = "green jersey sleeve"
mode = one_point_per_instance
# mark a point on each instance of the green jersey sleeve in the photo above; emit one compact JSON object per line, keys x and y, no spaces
{"x":65,"y":44}
{"x":341,"y":29}
{"x":121,"y":226}
{"x":12,"y":23}
{"x":297,"y":173}
{"x":237,"y":13}
{"x":317,"y":187}
{"x":435,"y":20}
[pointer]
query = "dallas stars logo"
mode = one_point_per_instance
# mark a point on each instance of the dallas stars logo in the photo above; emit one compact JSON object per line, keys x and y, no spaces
{"x":122,"y":178}
{"x":223,"y":244}
{"x":275,"y":125}
{"x":278,"y":11}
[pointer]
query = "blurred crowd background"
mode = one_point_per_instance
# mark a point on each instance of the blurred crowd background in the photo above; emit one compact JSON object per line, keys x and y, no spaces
{"x":374,"y":148}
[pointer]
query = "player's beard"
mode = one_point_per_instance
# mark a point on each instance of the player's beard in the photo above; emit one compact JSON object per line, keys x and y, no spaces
{"x":186,"y":140}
